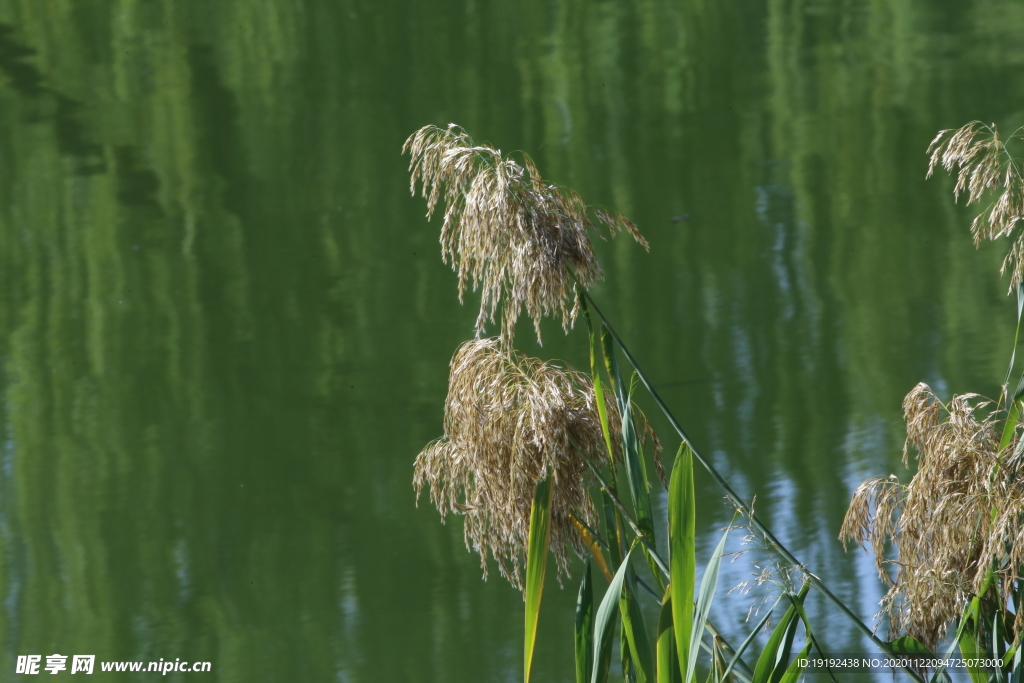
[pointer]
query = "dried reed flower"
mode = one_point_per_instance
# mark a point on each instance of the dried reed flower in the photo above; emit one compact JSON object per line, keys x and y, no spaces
{"x":961,"y":515}
{"x":983,"y":163}
{"x":774,"y":576}
{"x":507,"y":231}
{"x":509,"y":422}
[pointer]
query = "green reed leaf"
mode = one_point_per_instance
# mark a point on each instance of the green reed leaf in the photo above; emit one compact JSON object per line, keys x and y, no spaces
{"x":968,"y":640}
{"x":667,"y":659}
{"x":595,"y":375}
{"x":705,"y":596}
{"x":940,"y":675}
{"x":602,"y":411}
{"x":796,"y":668}
{"x":1012,"y":418}
{"x":604,"y":623}
{"x":636,"y":469}
{"x":909,"y":645}
{"x":613,"y":529}
{"x":585,"y":627}
{"x":536,"y":567}
{"x":608,"y":352}
{"x":774,"y":660}
{"x":635,"y":630}
{"x":997,"y":640}
{"x":682,"y":515}
{"x":626,"y":654}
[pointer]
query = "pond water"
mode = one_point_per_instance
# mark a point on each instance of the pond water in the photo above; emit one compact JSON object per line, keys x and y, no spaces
{"x":225,"y":325}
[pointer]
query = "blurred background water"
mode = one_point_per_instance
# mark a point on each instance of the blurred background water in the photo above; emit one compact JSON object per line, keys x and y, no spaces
{"x":225,"y":324}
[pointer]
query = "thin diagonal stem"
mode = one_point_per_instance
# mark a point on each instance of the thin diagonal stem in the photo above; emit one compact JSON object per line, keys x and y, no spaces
{"x":737,"y":501}
{"x":625,"y":513}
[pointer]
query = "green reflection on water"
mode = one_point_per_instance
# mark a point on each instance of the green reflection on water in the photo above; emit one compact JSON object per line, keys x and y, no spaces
{"x":225,"y":326}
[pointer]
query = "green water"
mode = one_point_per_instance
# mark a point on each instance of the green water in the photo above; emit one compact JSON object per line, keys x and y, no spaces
{"x":225,"y":325}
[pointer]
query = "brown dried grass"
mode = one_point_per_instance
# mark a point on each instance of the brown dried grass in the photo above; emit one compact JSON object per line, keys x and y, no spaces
{"x":507,"y":231}
{"x":510,"y":421}
{"x":961,"y":515}
{"x":983,"y":163}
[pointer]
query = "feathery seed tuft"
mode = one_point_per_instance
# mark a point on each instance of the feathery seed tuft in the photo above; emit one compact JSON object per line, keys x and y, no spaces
{"x":507,"y":231}
{"x":983,"y":163}
{"x":510,"y":421}
{"x":961,"y":515}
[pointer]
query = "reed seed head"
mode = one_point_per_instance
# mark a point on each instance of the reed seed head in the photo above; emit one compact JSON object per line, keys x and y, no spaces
{"x":961,"y":515}
{"x":982,"y":164}
{"x":509,"y":422}
{"x":506,"y":231}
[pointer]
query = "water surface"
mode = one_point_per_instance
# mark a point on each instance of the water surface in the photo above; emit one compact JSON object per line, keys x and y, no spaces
{"x":225,"y":325}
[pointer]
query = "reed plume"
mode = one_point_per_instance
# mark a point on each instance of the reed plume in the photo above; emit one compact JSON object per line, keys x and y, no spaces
{"x":983,"y":163}
{"x":507,"y":231}
{"x":961,"y":515}
{"x":510,"y":421}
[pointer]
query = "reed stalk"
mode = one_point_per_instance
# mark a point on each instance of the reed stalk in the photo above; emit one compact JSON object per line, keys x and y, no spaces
{"x":510,"y":419}
{"x":957,"y":527}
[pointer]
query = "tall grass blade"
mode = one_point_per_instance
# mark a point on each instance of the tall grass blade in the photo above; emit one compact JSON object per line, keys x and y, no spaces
{"x":705,"y":596}
{"x":536,"y":567}
{"x":602,"y":412}
{"x":967,"y":640}
{"x":667,"y":659}
{"x":635,"y":630}
{"x":682,"y":515}
{"x":1012,"y":418}
{"x":599,"y":399}
{"x":585,"y":628}
{"x":604,"y":623}
{"x":636,"y":472}
{"x":626,"y":654}
{"x":635,"y":469}
{"x":603,"y":657}
{"x":909,"y":645}
{"x":613,"y":531}
{"x":775,"y":658}
{"x":607,"y":349}
{"x":1013,"y":414}
{"x":940,"y":675}
{"x":1017,"y":668}
{"x":796,"y":667}
{"x":638,"y":484}
{"x":998,"y":648}
{"x":717,"y":664}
